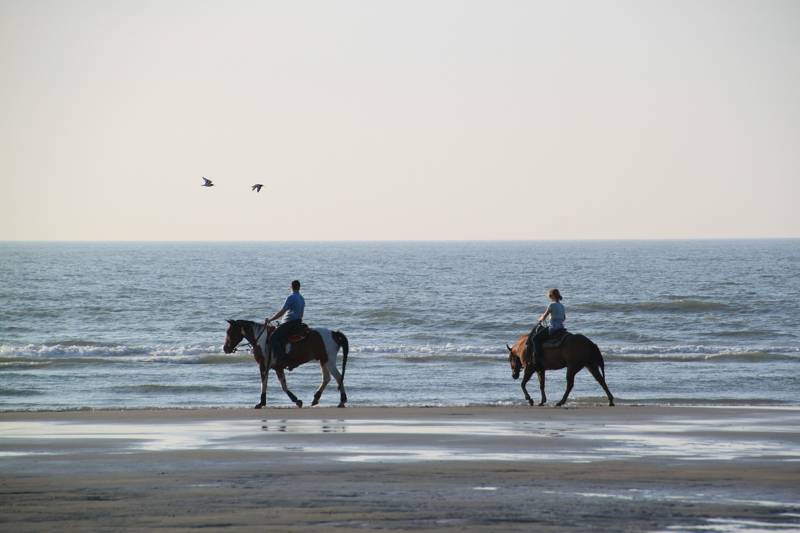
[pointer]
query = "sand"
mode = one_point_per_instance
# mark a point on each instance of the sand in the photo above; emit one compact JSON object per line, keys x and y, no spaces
{"x":626,"y":468}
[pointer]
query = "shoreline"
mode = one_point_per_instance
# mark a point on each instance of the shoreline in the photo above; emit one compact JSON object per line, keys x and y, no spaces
{"x":572,"y":404}
{"x":518,"y":410}
{"x":423,"y":468}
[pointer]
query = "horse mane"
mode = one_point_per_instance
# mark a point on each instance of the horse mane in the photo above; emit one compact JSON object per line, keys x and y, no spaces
{"x":243,"y":321}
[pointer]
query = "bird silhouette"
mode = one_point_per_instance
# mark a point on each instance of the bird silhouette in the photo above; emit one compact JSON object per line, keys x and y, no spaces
{"x":207,"y":182}
{"x":257,"y":187}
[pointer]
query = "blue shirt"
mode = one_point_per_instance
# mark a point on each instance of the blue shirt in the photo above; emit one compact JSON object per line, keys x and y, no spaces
{"x":557,"y":315}
{"x":294,"y":306}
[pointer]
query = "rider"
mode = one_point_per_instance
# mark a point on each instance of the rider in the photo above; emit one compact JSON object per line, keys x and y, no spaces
{"x":292,"y":313}
{"x":557,"y":315}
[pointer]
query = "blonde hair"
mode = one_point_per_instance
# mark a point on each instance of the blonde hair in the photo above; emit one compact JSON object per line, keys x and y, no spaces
{"x":555,"y":295}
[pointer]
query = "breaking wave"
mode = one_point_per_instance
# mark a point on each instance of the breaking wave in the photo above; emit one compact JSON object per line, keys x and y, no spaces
{"x":87,"y":349}
{"x":45,"y":355}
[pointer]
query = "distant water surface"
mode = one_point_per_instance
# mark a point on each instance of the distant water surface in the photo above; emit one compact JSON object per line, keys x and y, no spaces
{"x":109,"y":325}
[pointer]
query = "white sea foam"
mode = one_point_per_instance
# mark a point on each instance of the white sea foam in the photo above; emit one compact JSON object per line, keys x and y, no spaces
{"x":410,"y":352}
{"x":88,"y":350}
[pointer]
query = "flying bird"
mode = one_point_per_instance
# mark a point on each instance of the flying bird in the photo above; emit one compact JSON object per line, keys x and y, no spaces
{"x":207,"y":182}
{"x":257,"y":187}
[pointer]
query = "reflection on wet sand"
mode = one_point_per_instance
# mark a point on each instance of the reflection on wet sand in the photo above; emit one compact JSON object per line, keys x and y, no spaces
{"x":386,"y":440}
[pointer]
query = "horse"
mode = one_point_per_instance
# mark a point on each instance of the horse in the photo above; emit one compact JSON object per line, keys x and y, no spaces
{"x":321,"y":344}
{"x":575,"y":352}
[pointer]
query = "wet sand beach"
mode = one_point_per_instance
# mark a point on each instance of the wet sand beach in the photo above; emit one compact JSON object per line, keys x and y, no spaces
{"x":627,"y":468}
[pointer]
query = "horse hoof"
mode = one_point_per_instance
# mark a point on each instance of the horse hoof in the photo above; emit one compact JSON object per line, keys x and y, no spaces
{"x":542,"y":403}
{"x":300,"y":403}
{"x":315,"y":402}
{"x":341,"y":405}
{"x":530,"y":402}
{"x":611,"y":403}
{"x":259,"y":405}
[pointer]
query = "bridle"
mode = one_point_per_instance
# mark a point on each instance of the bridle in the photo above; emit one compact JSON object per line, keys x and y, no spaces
{"x":248,"y":343}
{"x":245,"y":345}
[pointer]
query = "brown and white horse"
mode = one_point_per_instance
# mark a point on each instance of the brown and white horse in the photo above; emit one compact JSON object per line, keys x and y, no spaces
{"x":320,"y":344}
{"x":575,"y":352}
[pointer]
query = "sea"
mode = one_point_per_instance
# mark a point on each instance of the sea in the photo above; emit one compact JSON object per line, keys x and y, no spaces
{"x":129,"y":325}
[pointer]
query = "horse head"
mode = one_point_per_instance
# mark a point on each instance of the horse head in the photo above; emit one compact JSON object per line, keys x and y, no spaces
{"x":515,"y":362}
{"x":233,"y":336}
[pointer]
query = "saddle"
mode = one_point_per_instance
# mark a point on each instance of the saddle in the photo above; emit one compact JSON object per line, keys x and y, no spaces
{"x":556,"y":340}
{"x":296,"y":334}
{"x":299,"y":333}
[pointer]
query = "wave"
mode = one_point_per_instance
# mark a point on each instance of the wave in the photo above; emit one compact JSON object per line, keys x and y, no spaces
{"x":732,"y":357}
{"x":156,"y":388}
{"x":84,"y":349}
{"x":32,"y":356}
{"x":601,"y":401}
{"x":78,"y":349}
{"x":451,"y":358}
{"x":696,"y":349}
{"x":675,"y":306}
{"x":222,"y":359}
{"x":690,"y":401}
{"x":25,"y":363}
{"x":747,"y":334}
{"x":16,"y":393}
{"x":683,"y":350}
{"x":426,"y":349}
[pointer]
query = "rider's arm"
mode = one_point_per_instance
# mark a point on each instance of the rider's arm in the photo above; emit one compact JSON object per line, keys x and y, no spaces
{"x":277,"y":315}
{"x":545,"y":314}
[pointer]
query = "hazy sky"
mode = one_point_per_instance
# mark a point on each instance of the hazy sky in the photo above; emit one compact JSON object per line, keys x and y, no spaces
{"x":399,"y":119}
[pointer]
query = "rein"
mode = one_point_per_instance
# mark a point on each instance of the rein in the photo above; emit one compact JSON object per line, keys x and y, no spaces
{"x":247,"y":341}
{"x":246,"y":344}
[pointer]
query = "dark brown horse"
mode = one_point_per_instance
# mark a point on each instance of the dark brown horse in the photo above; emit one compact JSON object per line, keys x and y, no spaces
{"x":574,"y":353}
{"x":320,"y":344}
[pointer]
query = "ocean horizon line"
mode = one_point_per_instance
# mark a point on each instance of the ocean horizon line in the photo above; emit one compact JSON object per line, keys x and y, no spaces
{"x":343,"y":241}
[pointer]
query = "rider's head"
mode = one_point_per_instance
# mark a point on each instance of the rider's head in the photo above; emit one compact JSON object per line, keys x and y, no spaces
{"x":295,"y":285}
{"x":554,"y":295}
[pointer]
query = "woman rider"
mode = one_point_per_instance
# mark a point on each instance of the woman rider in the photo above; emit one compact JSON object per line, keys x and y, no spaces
{"x":557,"y":315}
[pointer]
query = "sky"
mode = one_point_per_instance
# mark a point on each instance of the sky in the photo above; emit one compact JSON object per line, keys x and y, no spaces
{"x":399,"y":120}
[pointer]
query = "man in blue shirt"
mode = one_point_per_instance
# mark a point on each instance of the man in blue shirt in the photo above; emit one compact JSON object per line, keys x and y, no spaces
{"x":292,"y":313}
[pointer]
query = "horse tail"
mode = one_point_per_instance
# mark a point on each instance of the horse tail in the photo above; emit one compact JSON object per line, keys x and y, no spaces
{"x":342,"y":341}
{"x":597,"y":359}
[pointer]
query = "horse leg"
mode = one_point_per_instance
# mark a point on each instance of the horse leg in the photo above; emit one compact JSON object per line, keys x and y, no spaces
{"x":290,"y":394}
{"x":326,"y":377}
{"x":264,"y":377}
{"x":339,"y":381}
{"x":541,"y":387}
{"x":525,"y":378}
{"x":602,"y":381}
{"x":570,"y":382}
